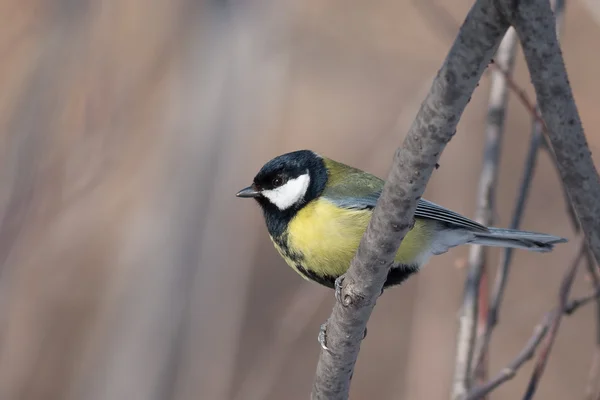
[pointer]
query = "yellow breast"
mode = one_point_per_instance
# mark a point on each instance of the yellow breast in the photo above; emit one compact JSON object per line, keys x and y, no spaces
{"x":328,"y":236}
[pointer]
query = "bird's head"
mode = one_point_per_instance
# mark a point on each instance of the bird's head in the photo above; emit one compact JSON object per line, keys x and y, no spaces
{"x":288,"y":182}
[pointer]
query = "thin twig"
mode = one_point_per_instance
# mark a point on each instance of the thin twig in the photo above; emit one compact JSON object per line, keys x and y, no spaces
{"x":522,"y":96}
{"x":534,"y":23}
{"x":480,"y":371}
{"x":533,"y":110}
{"x":550,"y":324}
{"x":592,"y":390}
{"x":393,"y":216}
{"x":510,"y":371}
{"x":563,"y":301}
{"x":573,"y":305}
{"x":504,"y":269}
{"x":536,"y":139}
{"x":476,"y":296}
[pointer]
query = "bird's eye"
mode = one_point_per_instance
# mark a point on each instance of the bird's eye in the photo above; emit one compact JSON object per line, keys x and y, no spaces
{"x":277,"y":181}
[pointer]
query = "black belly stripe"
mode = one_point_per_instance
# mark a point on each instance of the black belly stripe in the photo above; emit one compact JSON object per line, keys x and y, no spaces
{"x":399,"y":274}
{"x":325,"y":280}
{"x":396,"y":276}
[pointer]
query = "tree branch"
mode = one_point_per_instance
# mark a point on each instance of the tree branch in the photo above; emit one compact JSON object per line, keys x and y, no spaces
{"x":534,"y":23}
{"x":536,"y":139}
{"x":474,"y":307}
{"x":504,"y":269}
{"x":563,"y":299}
{"x":510,"y":371}
{"x":413,"y":164}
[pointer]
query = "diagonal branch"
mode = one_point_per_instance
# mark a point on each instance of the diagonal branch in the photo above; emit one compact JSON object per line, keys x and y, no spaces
{"x":536,"y":140}
{"x":439,"y":17}
{"x":534,"y":23}
{"x":413,"y":165}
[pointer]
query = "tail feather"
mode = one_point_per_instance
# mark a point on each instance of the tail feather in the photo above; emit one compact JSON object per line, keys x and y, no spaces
{"x":532,"y":241}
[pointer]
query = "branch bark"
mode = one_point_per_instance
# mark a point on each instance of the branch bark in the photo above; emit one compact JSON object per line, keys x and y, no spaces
{"x":536,"y":140}
{"x":413,"y":165}
{"x":534,"y":23}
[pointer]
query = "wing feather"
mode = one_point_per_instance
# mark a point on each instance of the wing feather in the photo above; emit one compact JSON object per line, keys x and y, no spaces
{"x":360,"y":190}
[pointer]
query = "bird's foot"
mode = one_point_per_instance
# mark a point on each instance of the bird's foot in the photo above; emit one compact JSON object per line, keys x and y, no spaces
{"x":322,"y":338}
{"x":338,"y":289}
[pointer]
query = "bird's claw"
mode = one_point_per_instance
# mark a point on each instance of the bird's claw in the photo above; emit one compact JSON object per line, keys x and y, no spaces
{"x":338,"y":288}
{"x":322,"y":338}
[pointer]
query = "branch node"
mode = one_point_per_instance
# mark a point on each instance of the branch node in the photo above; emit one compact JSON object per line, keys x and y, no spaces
{"x":508,"y":372}
{"x":345,"y":293}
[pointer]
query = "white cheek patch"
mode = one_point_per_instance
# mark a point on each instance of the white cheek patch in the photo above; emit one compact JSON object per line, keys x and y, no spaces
{"x":289,"y":194}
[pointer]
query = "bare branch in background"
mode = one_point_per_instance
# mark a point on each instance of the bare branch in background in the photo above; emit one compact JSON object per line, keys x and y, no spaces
{"x":476,"y":296}
{"x":413,"y":164}
{"x":534,"y":23}
{"x":439,"y":17}
{"x":574,"y":304}
{"x":550,"y":324}
{"x":592,"y":391}
{"x":536,"y":139}
{"x":510,"y":371}
{"x":563,"y":299}
{"x":503,"y":271}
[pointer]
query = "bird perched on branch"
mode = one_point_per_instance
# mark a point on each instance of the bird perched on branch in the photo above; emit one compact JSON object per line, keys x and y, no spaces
{"x":317,"y":210}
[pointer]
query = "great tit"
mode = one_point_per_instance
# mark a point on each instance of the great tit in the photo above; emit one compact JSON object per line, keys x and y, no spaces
{"x":317,"y":210}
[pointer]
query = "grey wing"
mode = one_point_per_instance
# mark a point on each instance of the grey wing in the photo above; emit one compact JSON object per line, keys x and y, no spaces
{"x":362,"y":202}
{"x":358,"y":191}
{"x":429,"y":210}
{"x":425,"y":209}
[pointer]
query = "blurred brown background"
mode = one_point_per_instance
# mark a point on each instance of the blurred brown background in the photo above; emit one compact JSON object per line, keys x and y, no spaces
{"x":128,"y":269}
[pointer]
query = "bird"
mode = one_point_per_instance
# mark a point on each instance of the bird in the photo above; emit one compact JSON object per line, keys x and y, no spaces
{"x":317,"y":209}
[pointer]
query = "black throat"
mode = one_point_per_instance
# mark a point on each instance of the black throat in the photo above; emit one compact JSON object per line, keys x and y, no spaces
{"x":277,"y":220}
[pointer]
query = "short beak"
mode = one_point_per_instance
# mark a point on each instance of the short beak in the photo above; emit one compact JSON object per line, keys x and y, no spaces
{"x":250,"y":191}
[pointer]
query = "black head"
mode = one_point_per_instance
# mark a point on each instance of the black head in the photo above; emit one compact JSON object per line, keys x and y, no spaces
{"x":288,"y":182}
